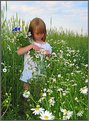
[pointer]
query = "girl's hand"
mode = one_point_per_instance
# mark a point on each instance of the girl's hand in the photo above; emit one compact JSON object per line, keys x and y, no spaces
{"x":35,"y":47}
{"x":47,"y":52}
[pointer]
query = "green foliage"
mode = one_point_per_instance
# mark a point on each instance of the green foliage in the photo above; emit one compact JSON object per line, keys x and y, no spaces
{"x":65,"y":73}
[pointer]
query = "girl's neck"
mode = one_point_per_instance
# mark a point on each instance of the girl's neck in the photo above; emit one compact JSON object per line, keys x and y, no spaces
{"x":39,"y":41}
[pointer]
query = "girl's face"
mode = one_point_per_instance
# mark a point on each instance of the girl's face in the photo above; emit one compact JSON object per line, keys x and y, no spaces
{"x":38,"y":36}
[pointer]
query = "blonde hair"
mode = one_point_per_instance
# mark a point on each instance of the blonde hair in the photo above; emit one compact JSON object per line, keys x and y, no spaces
{"x":37,"y":25}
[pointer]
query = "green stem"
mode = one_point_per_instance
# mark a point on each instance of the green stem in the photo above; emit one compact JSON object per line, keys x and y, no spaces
{"x":84,"y":104}
{"x":32,"y":99}
{"x":6,"y":109}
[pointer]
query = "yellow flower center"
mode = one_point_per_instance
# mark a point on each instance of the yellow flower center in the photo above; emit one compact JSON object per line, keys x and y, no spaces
{"x":66,"y":113}
{"x":36,"y":109}
{"x":84,"y":89}
{"x":46,"y":117}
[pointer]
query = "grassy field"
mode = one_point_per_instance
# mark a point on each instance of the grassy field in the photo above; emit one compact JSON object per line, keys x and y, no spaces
{"x":62,"y":90}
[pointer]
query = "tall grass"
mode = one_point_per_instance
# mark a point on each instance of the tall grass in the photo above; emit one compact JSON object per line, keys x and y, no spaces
{"x":66,"y":69}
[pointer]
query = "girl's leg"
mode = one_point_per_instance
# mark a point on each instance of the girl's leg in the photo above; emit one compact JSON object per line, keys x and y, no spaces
{"x":23,"y":103}
{"x":26,"y":86}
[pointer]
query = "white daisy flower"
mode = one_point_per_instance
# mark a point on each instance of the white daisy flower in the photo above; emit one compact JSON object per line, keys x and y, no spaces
{"x":49,"y":91}
{"x":71,"y":80}
{"x":86,"y":81}
{"x":37,"y":55}
{"x":80,"y":113}
{"x":86,"y":65}
{"x":84,"y":90}
{"x":54,"y":54}
{"x":29,"y":34}
{"x":4,"y":70}
{"x":44,"y":94}
{"x":46,"y":115}
{"x":42,"y":51}
{"x":72,"y":64}
{"x":42,"y":98}
{"x":60,"y":89}
{"x":2,"y":63}
{"x":72,"y":73}
{"x":74,"y":60}
{"x":52,"y":101}
{"x":47,"y":58}
{"x":66,"y":114}
{"x":37,"y":110}
{"x":62,"y":41}
{"x":68,"y":54}
{"x":45,"y":89}
{"x":54,"y":80}
{"x":76,"y":99}
{"x":64,"y":93}
{"x":26,"y":94}
{"x":59,"y":75}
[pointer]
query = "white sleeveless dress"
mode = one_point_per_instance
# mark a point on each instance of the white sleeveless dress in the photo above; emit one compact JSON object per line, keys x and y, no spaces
{"x":30,"y":65}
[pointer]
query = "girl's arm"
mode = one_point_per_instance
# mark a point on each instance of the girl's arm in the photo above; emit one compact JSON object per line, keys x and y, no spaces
{"x":25,"y":49}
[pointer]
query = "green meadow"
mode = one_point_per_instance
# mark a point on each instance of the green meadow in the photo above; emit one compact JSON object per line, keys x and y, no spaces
{"x":62,"y":90}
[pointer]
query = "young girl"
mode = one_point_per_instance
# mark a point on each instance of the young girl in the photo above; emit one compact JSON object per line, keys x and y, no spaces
{"x":37,"y":31}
